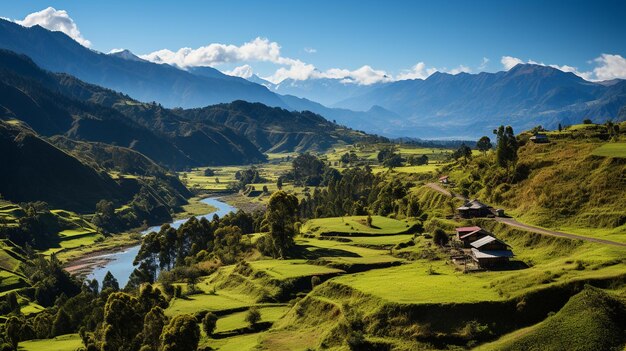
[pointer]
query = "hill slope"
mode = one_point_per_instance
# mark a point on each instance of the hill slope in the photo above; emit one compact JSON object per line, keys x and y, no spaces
{"x":34,"y":169}
{"x":591,"y":320}
{"x":55,"y":104}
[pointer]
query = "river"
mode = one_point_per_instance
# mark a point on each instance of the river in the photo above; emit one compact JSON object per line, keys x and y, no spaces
{"x":120,"y":264}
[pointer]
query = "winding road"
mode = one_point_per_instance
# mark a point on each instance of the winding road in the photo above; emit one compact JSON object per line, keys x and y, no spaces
{"x":513,"y":223}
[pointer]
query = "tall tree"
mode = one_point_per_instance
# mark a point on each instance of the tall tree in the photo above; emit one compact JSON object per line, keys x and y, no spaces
{"x":123,"y":322}
{"x":506,"y":149}
{"x":280,"y":217}
{"x":109,"y":282}
{"x":484,"y":144}
{"x":181,"y":334}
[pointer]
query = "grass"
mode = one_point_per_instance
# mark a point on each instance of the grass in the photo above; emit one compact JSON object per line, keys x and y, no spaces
{"x":413,"y":283}
{"x":195,"y":208}
{"x":246,"y":342}
{"x":591,"y":320}
{"x":222,"y":300}
{"x":355,"y":225}
{"x":238,"y":320}
{"x":611,"y":150}
{"x":69,"y":342}
{"x":286,"y":269}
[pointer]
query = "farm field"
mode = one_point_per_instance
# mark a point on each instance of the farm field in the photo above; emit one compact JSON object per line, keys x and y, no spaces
{"x":69,"y":342}
{"x":611,"y":150}
{"x":356,"y":226}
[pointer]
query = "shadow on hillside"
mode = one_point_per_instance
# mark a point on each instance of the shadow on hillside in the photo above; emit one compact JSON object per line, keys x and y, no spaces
{"x":310,"y":252}
{"x":511,"y":266}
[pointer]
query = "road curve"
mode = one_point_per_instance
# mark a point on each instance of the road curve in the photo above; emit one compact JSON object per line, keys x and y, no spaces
{"x":513,"y":223}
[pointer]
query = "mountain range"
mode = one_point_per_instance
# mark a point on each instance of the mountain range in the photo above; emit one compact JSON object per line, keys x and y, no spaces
{"x":441,"y":106}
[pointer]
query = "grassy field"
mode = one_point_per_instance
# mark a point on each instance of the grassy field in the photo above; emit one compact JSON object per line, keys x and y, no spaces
{"x":355,"y":225}
{"x":285,"y":269}
{"x":69,"y":342}
{"x":238,"y":320}
{"x":221,"y":300}
{"x":611,"y":150}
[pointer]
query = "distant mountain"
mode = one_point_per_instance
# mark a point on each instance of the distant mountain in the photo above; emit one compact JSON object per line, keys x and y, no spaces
{"x":470,"y":105}
{"x":273,"y":129}
{"x":326,"y":91}
{"x":126,"y":55}
{"x":58,"y":104}
{"x":145,"y":81}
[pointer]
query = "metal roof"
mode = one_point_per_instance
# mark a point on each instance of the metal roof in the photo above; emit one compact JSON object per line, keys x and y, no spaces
{"x":492,"y":254}
{"x":467,"y":229}
{"x":486,"y":240}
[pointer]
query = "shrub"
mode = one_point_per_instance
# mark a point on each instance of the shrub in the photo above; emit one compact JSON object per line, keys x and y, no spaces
{"x":253,"y":316}
{"x":440,"y":237}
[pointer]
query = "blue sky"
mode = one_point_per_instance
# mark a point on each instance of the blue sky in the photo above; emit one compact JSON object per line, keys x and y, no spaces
{"x":339,"y":37}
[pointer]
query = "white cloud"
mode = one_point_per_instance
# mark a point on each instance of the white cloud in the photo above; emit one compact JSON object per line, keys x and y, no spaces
{"x":610,"y":67}
{"x":310,"y":50}
{"x":483,"y":64}
{"x":509,"y":62}
{"x":419,"y":71}
{"x":460,"y":69}
{"x":244,"y":71}
{"x":55,"y":20}
{"x":259,"y":49}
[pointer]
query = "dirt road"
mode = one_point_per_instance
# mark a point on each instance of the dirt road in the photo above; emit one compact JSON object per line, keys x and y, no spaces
{"x":513,"y":223}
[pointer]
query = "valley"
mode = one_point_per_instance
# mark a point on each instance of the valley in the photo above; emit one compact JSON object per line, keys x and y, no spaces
{"x":182,"y":199}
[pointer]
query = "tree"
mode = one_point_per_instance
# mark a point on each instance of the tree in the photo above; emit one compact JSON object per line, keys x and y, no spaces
{"x":209,"y":323}
{"x":369,"y":220}
{"x":307,"y":170}
{"x":227,"y":243}
{"x":209,"y":172}
{"x":280,"y":218}
{"x":181,"y":334}
{"x":506,"y":149}
{"x":123,"y":322}
{"x":484,"y":144}
{"x":440,"y":237}
{"x":12,"y":329}
{"x":560,"y":128}
{"x":463,"y":151}
{"x":587,"y":121}
{"x":253,"y":316}
{"x":265,"y":190}
{"x":109,"y":282}
{"x":394,"y":160}
{"x":279,"y":183}
{"x":153,"y":324}
{"x":62,"y":323}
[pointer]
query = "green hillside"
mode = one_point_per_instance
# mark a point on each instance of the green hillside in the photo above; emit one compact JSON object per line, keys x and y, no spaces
{"x":591,"y":320}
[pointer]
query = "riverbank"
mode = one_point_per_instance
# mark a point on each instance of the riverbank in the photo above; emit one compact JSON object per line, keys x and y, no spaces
{"x":94,"y":263}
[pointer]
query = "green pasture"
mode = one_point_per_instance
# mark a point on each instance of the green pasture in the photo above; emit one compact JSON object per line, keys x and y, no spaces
{"x":69,"y":342}
{"x":617,"y":150}
{"x":356,"y":225}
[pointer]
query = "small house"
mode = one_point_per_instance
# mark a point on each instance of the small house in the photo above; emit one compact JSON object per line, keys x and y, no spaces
{"x":473,"y":209}
{"x":471,"y":237}
{"x":444,"y":179}
{"x":491,"y":259}
{"x":539,"y":138}
{"x":490,"y":252}
{"x":465,"y":230}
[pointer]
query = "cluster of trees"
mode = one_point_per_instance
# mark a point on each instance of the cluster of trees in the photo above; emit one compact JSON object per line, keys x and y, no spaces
{"x":247,"y":176}
{"x":37,"y":226}
{"x":195,"y":240}
{"x":151,"y":204}
{"x":359,"y":192}
{"x":389,"y":158}
{"x":106,"y":318}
